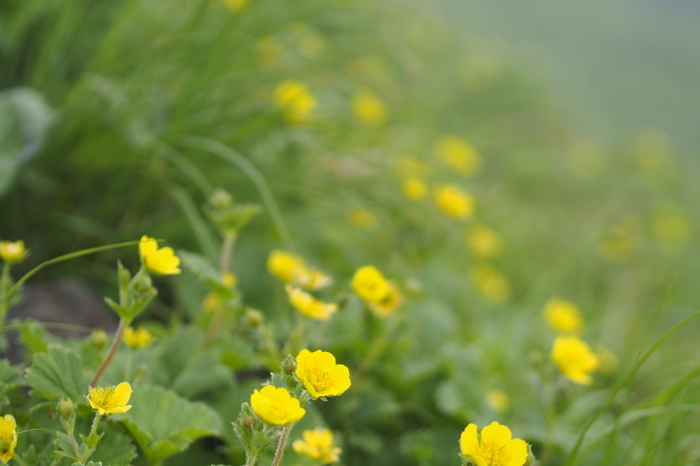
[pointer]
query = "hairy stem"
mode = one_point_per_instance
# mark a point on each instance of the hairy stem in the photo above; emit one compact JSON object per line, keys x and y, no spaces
{"x":281,"y":444}
{"x":112,"y":350}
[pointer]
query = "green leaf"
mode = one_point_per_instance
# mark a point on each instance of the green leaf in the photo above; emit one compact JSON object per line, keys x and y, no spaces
{"x":58,"y":373}
{"x":164,"y":424}
{"x":208,"y":273}
{"x":10,"y":378}
{"x":188,"y":369}
{"x":115,"y":448}
{"x":34,"y":336}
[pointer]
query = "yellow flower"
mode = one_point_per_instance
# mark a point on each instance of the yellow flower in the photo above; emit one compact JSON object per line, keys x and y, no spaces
{"x":321,"y":375}
{"x":369,"y":284}
{"x":211,"y":302}
{"x":284,"y":265}
{"x":229,"y":279}
{"x":110,"y":400}
{"x":483,"y":241}
{"x":453,"y":202}
{"x":458,"y":154}
{"x":311,"y":279}
{"x":670,"y":225}
{"x":8,"y":437}
{"x":389,"y":303}
{"x":12,"y":251}
{"x":318,"y":444}
{"x":496,"y":447}
{"x":310,"y":306}
{"x":362,"y":218}
{"x":237,"y":6}
{"x":574,"y":359}
{"x":295,"y":100}
{"x":563,"y":316}
{"x":491,"y":283}
{"x":276,"y":406}
{"x":137,"y":338}
{"x":368,"y":108}
{"x":498,"y":400}
{"x":414,"y":188}
{"x":162,"y":261}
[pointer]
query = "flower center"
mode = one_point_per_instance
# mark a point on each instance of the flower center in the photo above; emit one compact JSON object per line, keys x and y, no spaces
{"x":320,"y":380}
{"x":492,"y":453}
{"x":101,"y":395}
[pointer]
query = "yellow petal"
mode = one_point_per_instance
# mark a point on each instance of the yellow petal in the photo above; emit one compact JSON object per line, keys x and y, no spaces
{"x":122,"y":393}
{"x":120,"y":409}
{"x":468,"y":441}
{"x":516,"y":452}
{"x":147,"y":246}
{"x":496,"y":433}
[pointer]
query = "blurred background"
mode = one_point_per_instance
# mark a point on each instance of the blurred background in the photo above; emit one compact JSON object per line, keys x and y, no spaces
{"x":571,"y":125}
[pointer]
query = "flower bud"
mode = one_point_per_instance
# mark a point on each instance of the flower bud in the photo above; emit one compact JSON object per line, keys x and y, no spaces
{"x":289,"y":364}
{"x":253,"y":317}
{"x":220,"y":199}
{"x":65,"y":408}
{"x":143,"y":283}
{"x":99,"y":339}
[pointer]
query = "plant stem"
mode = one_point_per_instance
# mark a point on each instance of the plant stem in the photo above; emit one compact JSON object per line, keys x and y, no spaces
{"x":226,"y":249}
{"x":251,"y":459}
{"x":281,"y":444}
{"x":4,"y":281}
{"x":95,"y":422}
{"x":112,"y":350}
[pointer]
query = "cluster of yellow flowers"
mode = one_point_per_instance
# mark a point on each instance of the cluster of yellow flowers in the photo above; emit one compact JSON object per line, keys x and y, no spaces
{"x":381,"y":295}
{"x":572,"y":356}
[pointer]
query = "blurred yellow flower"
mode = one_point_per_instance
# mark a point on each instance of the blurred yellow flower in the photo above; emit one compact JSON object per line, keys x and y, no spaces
{"x":162,"y":261}
{"x":295,"y":100}
{"x":498,"y":400}
{"x":211,"y":302}
{"x":310,"y":306}
{"x":496,"y":447}
{"x":237,"y":6}
{"x":12,"y":252}
{"x":620,"y":242}
{"x":321,"y":375}
{"x":8,"y":437}
{"x":110,"y":400}
{"x":563,"y":316}
{"x":318,"y":444}
{"x":311,"y":279}
{"x":229,"y":279}
{"x":276,"y":406}
{"x":389,"y":303}
{"x":362,"y":218}
{"x":490,"y":283}
{"x":369,"y":284}
{"x":368,"y":108}
{"x":670,"y":225}
{"x":269,"y":50}
{"x":458,"y":154}
{"x":453,"y":202}
{"x":137,"y":338}
{"x":284,"y":265}
{"x":484,"y":242}
{"x":415,"y":188}
{"x":574,"y":359}
{"x":309,"y":43}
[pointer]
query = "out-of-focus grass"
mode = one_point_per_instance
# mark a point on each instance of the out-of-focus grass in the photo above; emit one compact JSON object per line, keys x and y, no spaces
{"x":132,"y":82}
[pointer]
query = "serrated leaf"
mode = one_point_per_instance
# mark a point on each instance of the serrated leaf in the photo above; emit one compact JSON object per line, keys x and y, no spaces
{"x":34,"y":336}
{"x":164,"y":423}
{"x":115,"y":449}
{"x":10,"y":377}
{"x":57,"y":373}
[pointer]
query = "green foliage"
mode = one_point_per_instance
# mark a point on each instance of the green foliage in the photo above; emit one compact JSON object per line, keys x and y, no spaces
{"x":164,"y":423}
{"x":58,"y":373}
